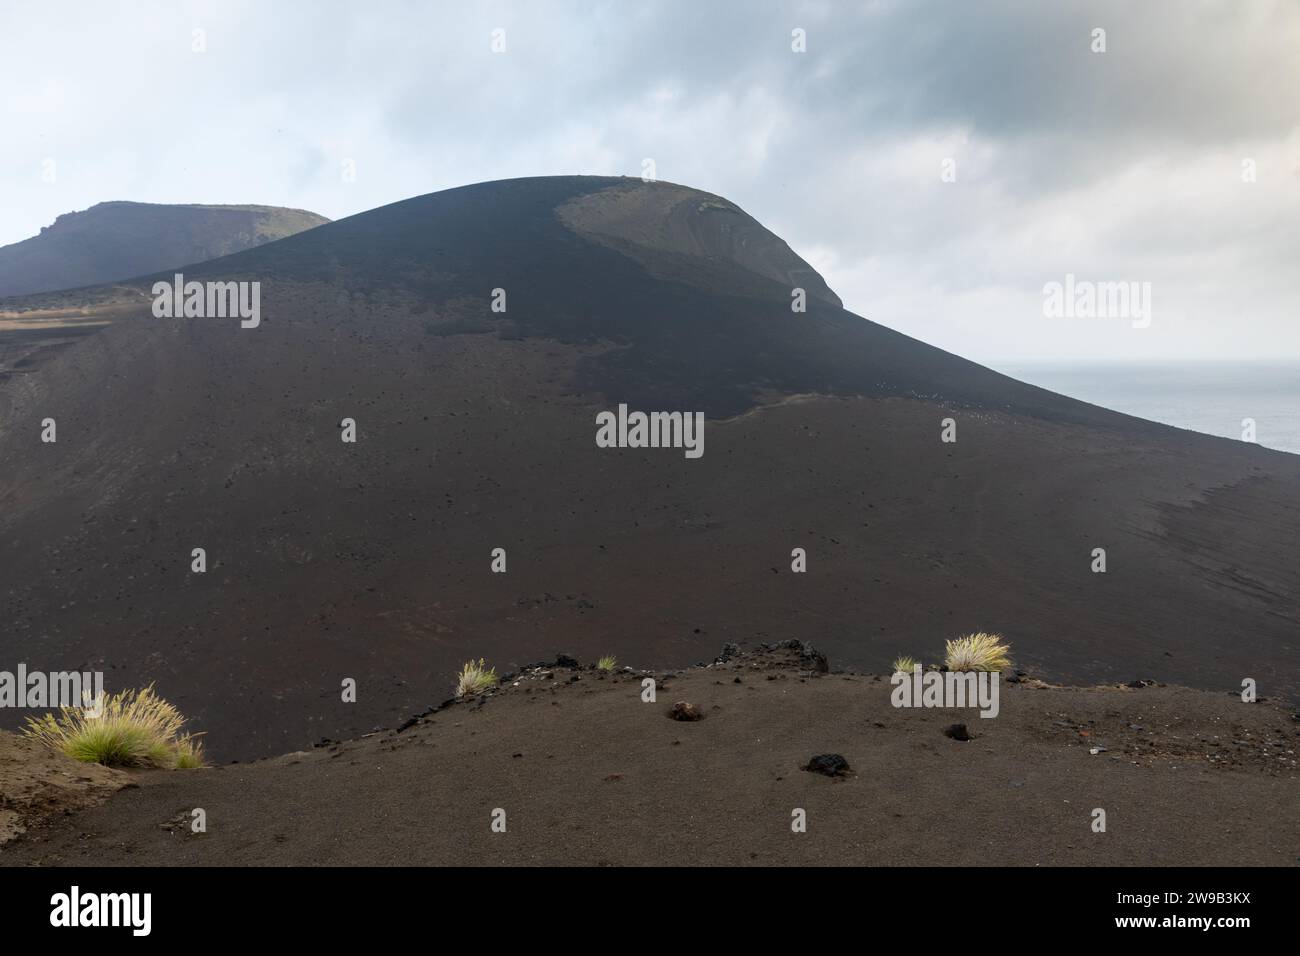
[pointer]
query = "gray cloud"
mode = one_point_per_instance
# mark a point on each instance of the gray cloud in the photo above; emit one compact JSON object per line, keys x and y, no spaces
{"x":1122,"y":165}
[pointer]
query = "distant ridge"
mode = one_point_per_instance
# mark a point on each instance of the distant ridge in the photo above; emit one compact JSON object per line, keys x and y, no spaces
{"x":118,"y":240}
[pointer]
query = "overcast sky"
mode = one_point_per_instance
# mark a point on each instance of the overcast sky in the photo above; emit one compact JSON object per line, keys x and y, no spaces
{"x":1123,"y":165}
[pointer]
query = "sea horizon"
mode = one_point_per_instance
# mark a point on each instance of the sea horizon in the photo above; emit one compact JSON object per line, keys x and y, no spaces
{"x":1202,"y":395}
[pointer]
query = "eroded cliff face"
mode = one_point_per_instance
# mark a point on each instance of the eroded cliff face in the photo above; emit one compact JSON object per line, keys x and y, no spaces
{"x":663,"y":218}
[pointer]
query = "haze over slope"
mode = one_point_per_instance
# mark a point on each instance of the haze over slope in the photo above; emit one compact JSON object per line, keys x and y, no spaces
{"x":120,"y":240}
{"x":475,"y":431}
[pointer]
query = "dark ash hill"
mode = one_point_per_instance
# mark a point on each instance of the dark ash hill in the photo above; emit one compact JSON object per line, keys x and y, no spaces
{"x":119,"y":240}
{"x":476,"y":430}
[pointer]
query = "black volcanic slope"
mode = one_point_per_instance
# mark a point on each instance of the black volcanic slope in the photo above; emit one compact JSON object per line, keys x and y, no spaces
{"x":476,"y":430}
{"x":119,"y":240}
{"x":708,"y":335}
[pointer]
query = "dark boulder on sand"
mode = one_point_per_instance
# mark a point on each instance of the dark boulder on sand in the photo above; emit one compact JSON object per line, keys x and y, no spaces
{"x":830,"y":765}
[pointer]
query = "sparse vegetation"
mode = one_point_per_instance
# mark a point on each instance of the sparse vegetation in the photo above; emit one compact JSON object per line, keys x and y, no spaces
{"x":607,"y":663}
{"x":475,"y":678}
{"x":189,"y":753}
{"x":128,"y":729}
{"x":977,"y":652}
{"x":905,"y":664}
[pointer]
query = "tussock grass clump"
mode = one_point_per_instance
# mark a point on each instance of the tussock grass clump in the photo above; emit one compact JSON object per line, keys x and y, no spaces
{"x":128,"y":729}
{"x":905,"y":664}
{"x":977,"y":652}
{"x":607,"y":663}
{"x":475,"y":678}
{"x":189,"y":753}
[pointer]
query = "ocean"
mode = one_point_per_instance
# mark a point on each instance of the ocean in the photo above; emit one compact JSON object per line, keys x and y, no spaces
{"x":1209,"y":397}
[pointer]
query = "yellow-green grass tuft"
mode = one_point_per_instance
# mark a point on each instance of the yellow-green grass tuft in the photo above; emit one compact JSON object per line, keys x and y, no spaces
{"x":977,"y":652}
{"x":905,"y":664}
{"x":475,"y":678}
{"x":128,"y":729}
{"x":607,"y":663}
{"x":189,"y":753}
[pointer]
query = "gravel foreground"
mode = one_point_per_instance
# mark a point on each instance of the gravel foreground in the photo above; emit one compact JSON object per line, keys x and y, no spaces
{"x":588,"y":773}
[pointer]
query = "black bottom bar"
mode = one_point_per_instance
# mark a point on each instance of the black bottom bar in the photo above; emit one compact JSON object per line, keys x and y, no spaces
{"x":331,"y":905}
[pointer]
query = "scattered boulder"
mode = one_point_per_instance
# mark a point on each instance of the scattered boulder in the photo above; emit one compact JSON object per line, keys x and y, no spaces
{"x":957,"y":732}
{"x":566,"y":660}
{"x":830,"y":765}
{"x":684,"y":710}
{"x":809,"y":656}
{"x":814,"y":659}
{"x":729,"y":650}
